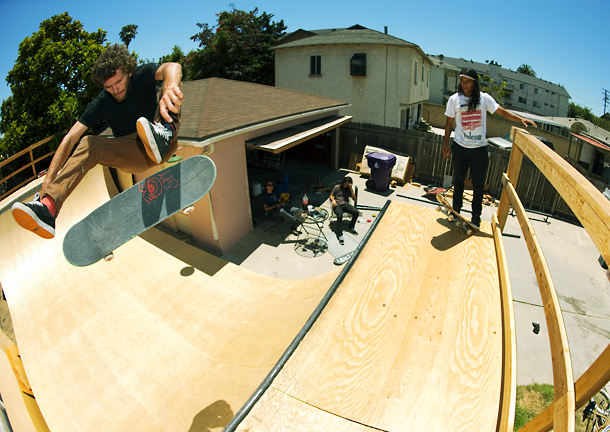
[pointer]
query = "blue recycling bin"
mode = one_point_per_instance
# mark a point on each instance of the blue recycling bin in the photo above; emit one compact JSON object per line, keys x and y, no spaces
{"x":381,"y":165}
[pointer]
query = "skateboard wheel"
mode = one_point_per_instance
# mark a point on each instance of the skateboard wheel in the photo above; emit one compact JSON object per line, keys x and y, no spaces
{"x":188,"y":210}
{"x":109,"y":256}
{"x":438,"y":209}
{"x":451,"y":218}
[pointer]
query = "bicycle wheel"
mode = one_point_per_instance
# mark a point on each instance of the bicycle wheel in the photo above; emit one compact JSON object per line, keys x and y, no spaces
{"x":602,"y":405}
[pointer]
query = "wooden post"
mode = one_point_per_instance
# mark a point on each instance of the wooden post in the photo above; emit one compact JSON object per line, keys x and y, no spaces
{"x":514,"y":167}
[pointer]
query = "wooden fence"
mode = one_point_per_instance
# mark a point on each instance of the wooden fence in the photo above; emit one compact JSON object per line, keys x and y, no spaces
{"x":425,"y":149}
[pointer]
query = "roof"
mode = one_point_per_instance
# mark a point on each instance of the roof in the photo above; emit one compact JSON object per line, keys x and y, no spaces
{"x":356,"y":35}
{"x":215,"y":106}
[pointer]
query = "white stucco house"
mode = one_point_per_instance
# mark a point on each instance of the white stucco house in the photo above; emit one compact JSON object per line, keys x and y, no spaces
{"x":385,"y":79}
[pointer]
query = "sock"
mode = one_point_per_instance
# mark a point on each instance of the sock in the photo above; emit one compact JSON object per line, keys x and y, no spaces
{"x":50,"y":203}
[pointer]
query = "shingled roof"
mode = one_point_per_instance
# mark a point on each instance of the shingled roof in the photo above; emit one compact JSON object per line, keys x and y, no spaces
{"x":215,"y":106}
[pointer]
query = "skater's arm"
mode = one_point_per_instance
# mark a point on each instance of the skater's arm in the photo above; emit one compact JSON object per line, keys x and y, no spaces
{"x":510,"y":116}
{"x":446,"y":148}
{"x":63,"y":152}
{"x":171,"y":100}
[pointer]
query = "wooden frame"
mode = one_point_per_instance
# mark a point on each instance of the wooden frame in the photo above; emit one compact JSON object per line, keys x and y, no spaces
{"x":593,"y":211}
{"x":32,"y":164}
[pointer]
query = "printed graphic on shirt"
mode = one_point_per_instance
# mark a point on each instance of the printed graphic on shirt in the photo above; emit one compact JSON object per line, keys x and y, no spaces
{"x":472,"y":123}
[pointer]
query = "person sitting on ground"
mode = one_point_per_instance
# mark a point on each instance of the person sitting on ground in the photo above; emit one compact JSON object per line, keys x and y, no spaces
{"x":128,"y":104}
{"x":339,"y":198}
{"x":272,"y":202}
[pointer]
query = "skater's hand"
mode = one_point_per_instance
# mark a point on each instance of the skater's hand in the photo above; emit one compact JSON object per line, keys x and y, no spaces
{"x":446,"y":151}
{"x":170,"y":101}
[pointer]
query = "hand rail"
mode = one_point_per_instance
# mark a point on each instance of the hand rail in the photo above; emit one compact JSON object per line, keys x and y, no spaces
{"x":593,"y":211}
{"x":31,"y":164}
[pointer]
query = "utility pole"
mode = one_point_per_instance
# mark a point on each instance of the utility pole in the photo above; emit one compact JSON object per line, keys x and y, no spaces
{"x":606,"y":100}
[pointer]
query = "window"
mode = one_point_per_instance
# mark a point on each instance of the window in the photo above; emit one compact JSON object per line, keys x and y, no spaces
{"x":537,"y":104}
{"x":537,"y":90}
{"x":523,"y":86}
{"x":315,"y":65}
{"x":415,"y":73}
{"x":358,"y":65}
{"x":422,"y":73}
{"x":522,"y":100}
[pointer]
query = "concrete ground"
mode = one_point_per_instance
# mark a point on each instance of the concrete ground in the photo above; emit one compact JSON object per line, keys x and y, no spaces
{"x":581,"y":283}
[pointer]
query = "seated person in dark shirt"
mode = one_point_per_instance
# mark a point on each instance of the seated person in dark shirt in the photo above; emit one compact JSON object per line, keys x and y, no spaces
{"x":339,"y":198}
{"x":272,"y":202}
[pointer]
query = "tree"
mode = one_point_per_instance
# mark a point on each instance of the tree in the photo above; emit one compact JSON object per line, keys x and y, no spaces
{"x":128,"y":33}
{"x":178,"y":56}
{"x":238,"y":47}
{"x":50,"y":82}
{"x":526,"y":69}
{"x":488,"y":85}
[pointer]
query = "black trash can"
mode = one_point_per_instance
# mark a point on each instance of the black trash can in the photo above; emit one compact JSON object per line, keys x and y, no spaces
{"x":381,"y":165}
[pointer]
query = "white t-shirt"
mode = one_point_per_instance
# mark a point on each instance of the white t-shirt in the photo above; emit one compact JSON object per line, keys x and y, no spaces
{"x":470,"y":126}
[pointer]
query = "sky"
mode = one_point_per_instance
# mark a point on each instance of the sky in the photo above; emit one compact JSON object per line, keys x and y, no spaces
{"x":565,"y":42}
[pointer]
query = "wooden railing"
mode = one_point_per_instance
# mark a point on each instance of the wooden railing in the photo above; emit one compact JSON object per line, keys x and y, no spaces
{"x":25,"y":168}
{"x":593,"y":211}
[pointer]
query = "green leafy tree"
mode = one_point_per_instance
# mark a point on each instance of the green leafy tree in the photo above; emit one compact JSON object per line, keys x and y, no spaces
{"x":526,"y":69}
{"x":488,"y":85}
{"x":128,"y":33}
{"x":178,"y":56}
{"x":238,"y":47}
{"x":50,"y":82}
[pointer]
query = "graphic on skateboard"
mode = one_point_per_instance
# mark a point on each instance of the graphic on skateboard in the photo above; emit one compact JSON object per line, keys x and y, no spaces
{"x":137,"y":209}
{"x":446,"y":208}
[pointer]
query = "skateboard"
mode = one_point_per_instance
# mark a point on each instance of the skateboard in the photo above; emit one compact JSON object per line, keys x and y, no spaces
{"x":137,"y":209}
{"x":446,"y":208}
{"x":343,"y":258}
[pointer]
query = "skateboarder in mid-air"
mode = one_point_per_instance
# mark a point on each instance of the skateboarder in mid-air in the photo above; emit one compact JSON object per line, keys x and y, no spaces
{"x":145,"y":132}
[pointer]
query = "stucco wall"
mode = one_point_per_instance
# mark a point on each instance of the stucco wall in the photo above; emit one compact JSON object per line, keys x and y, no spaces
{"x":376,"y":98}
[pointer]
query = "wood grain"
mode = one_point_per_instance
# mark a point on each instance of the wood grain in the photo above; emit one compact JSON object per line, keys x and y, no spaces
{"x":413,"y":333}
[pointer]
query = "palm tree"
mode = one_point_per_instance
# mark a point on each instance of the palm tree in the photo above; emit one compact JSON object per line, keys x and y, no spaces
{"x":526,"y":69}
{"x":128,"y":33}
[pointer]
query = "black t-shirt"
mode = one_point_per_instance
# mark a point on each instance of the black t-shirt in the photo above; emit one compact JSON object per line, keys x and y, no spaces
{"x":122,"y":117}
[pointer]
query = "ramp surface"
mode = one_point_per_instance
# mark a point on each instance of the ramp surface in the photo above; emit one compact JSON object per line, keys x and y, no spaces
{"x":171,"y":339}
{"x":411,"y":340}
{"x":145,"y":342}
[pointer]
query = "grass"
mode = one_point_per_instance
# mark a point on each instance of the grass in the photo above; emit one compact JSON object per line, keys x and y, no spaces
{"x":534,"y":398}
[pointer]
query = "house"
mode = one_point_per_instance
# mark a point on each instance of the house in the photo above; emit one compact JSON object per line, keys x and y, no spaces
{"x":225,"y":120}
{"x":522,"y":93}
{"x":384,"y":79}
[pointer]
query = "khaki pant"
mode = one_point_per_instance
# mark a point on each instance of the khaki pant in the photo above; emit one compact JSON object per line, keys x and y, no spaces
{"x":126,"y":153}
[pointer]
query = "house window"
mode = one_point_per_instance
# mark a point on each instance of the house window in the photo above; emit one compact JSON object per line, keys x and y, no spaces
{"x":537,"y":104}
{"x":537,"y":90}
{"x":358,"y":65}
{"x":522,"y":100}
{"x":523,"y":86}
{"x":315,"y":65}
{"x":415,"y":73}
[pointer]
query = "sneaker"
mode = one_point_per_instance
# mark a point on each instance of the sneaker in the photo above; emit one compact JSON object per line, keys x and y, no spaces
{"x":34,"y":216}
{"x":476,"y":222}
{"x":352,"y":231}
{"x":156,"y":137}
{"x":340,"y":238}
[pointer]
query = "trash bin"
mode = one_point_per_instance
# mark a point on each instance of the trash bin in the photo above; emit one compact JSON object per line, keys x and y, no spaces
{"x":381,"y":165}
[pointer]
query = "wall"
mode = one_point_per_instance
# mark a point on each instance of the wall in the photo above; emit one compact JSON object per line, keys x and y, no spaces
{"x":376,"y":98}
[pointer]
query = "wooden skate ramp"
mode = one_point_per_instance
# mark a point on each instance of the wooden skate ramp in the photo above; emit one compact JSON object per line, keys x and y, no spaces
{"x":145,"y":342}
{"x":411,"y":339}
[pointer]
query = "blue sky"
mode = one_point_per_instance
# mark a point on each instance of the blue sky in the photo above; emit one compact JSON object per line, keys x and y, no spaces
{"x":564,"y":42}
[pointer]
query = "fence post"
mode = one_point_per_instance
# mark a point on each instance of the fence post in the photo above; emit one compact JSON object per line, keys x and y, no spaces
{"x":420,"y":143}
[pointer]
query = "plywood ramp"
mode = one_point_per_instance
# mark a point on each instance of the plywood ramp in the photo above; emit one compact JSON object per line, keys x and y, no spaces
{"x":411,"y":340}
{"x":160,"y":339}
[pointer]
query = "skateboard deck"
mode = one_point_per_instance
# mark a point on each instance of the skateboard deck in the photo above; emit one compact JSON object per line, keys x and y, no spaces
{"x":447,"y":209}
{"x":137,"y":209}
